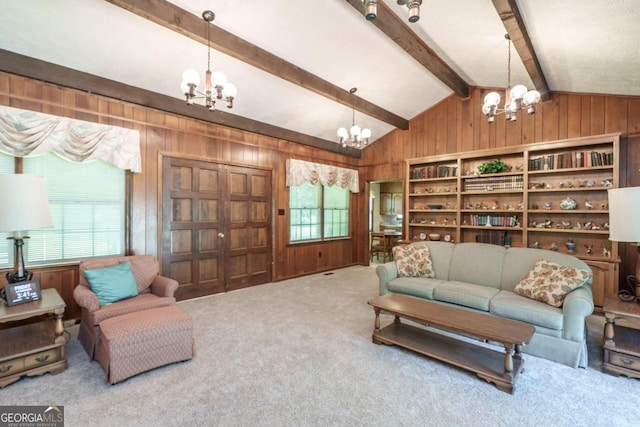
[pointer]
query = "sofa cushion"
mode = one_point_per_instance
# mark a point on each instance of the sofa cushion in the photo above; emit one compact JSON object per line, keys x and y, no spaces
{"x":511,"y":306}
{"x":413,"y":261}
{"x":550,"y":282}
{"x":465,"y":294}
{"x":519,"y":261}
{"x":440,"y":256}
{"x":477,"y":263}
{"x":113,"y":283}
{"x":414,"y":286}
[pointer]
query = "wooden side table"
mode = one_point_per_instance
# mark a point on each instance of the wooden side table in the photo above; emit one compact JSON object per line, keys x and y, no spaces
{"x":621,"y":343}
{"x":35,"y":348}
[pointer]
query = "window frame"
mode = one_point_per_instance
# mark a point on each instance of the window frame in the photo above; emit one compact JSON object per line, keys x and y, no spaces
{"x":19,"y":167}
{"x":321,"y":209}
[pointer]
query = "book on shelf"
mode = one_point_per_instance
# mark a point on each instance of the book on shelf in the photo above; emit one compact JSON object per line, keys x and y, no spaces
{"x":434,"y":171}
{"x":514,"y":182}
{"x":571,"y":159}
{"x":493,"y":220}
{"x":494,"y":237}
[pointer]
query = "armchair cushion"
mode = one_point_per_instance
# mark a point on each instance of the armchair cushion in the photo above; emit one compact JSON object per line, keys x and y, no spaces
{"x":111,"y":284}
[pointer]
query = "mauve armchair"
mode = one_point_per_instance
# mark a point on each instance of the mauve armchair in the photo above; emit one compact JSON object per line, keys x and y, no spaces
{"x":154,"y":291}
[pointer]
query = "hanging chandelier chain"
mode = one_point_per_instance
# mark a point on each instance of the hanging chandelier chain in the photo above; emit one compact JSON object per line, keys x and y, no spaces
{"x":208,"y":45}
{"x":509,"y":63}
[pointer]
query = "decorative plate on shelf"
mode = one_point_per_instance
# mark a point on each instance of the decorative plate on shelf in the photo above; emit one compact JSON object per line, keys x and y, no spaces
{"x":423,"y":236}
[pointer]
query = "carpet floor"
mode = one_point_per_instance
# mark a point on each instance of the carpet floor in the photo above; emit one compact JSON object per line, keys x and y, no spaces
{"x":299,"y":353}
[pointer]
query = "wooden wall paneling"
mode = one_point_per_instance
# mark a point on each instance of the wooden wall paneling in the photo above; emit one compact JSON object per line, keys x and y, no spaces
{"x":563,"y":111}
{"x":574,"y":114}
{"x":527,"y":129}
{"x":453,"y":112}
{"x":633,"y":115}
{"x":616,"y":113}
{"x":429,"y":141}
{"x":597,"y":114}
{"x":585,"y":116}
{"x":550,"y":120}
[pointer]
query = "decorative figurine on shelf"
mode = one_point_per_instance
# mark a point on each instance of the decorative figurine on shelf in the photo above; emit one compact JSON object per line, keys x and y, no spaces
{"x":447,"y":189}
{"x":578,"y":226}
{"x":521,"y":206}
{"x":605,"y":225}
{"x":445,"y":221}
{"x":495,"y":205}
{"x":454,"y":222}
{"x":588,"y":225}
{"x":566,"y":224}
{"x":589,"y":249}
{"x":469,"y":205}
{"x":553,"y":246}
{"x":548,"y":186}
{"x":605,"y":206}
{"x":508,"y":207}
{"x":432,"y":221}
{"x":571,"y":246}
{"x":568,"y":204}
{"x":588,"y":205}
{"x":447,"y":205}
{"x":534,"y":206}
{"x":591,"y":183}
{"x":547,"y":205}
{"x":605,"y":251}
{"x":561,"y":185}
{"x":429,"y":190}
{"x":548,"y":223}
{"x":607,"y":183}
{"x":536,"y":245}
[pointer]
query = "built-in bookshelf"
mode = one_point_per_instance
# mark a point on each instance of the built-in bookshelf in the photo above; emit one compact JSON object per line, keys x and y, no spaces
{"x":552,"y":195}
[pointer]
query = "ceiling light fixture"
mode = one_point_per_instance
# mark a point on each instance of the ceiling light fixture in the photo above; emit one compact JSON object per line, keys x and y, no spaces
{"x":356,"y":137}
{"x":371,"y":9}
{"x":515,"y":99}
{"x":216,"y":84}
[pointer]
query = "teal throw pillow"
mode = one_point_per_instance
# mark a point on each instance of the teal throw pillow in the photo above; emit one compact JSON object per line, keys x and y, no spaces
{"x":112,"y":283}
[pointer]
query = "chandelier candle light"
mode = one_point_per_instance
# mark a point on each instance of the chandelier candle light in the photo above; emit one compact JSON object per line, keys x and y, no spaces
{"x":356,"y":137}
{"x":216,"y":84}
{"x":371,"y":9}
{"x":516,"y":98}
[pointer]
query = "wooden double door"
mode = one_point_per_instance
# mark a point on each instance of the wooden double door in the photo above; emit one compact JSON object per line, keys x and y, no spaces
{"x":216,"y":226}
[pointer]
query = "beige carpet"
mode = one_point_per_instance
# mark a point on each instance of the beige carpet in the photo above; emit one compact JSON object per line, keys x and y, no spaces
{"x":299,"y":353}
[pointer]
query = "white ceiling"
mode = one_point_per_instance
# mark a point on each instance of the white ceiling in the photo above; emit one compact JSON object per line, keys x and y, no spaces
{"x":590,"y":47}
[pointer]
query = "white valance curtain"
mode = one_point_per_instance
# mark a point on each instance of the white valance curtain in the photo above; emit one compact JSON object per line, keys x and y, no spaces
{"x":26,"y":133}
{"x":299,"y":172}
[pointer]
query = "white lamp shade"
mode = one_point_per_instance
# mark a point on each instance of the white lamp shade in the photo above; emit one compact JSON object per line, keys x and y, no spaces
{"x":24,"y":204}
{"x":624,"y":206}
{"x":366,"y":133}
{"x":355,"y":130}
{"x":532,"y":97}
{"x":342,"y":133}
{"x":191,"y":76}
{"x":492,"y":98}
{"x":517,"y":92}
{"x":230,"y":90}
{"x":218,"y":78}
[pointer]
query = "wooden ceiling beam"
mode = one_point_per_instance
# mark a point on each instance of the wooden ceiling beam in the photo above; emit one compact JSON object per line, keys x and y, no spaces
{"x":513,"y":23}
{"x":401,"y":34}
{"x":21,"y":65}
{"x":179,"y":20}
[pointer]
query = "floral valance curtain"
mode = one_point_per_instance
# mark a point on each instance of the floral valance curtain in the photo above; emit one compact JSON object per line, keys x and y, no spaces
{"x":299,"y":172}
{"x":26,"y":133}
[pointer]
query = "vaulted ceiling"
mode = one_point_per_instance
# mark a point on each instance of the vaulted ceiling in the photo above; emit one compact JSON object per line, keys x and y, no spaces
{"x":295,"y":61}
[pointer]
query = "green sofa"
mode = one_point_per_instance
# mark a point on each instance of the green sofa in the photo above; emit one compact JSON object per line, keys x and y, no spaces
{"x":482,"y":277}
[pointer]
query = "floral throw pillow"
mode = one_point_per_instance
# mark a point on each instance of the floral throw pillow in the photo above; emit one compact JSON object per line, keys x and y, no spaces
{"x":550,"y":282}
{"x":413,"y":261}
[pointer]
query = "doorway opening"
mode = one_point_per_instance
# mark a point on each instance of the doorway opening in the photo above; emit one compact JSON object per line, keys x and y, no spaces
{"x":385,"y":214}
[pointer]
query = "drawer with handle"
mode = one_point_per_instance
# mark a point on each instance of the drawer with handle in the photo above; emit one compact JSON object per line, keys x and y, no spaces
{"x":42,"y":358}
{"x":624,"y":360}
{"x":11,"y":367}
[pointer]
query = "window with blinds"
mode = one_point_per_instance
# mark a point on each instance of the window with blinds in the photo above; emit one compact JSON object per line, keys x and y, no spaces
{"x":87,"y":209}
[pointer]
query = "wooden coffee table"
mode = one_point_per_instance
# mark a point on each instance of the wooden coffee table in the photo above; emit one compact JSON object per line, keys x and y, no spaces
{"x":496,"y":367}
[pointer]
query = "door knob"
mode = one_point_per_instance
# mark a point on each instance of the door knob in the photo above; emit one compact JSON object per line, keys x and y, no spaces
{"x":220,"y":234}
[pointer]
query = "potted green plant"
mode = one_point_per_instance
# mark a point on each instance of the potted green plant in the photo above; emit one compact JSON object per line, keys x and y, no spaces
{"x":493,"y":166}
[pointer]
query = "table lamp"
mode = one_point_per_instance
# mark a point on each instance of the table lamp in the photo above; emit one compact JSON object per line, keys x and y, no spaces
{"x":24,"y":205}
{"x":624,"y":226}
